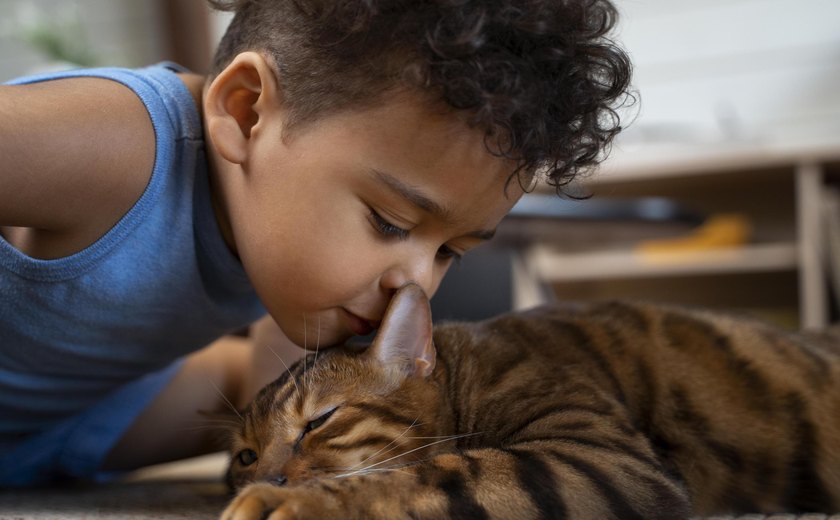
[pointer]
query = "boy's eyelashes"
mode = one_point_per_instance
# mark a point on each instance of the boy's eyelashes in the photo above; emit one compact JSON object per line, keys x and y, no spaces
{"x":390,"y":230}
{"x":386,"y":228}
{"x":445,"y":253}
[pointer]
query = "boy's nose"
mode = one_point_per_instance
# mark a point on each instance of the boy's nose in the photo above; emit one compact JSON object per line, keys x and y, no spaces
{"x":418,"y":270}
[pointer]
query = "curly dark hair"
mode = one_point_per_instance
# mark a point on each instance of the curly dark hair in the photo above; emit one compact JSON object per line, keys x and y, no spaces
{"x":540,"y":77}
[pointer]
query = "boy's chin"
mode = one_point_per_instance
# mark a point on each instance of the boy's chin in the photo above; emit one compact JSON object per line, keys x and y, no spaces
{"x":312,"y":341}
{"x":355,"y":342}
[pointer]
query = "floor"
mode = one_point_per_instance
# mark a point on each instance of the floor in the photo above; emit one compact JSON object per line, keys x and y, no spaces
{"x":188,"y":489}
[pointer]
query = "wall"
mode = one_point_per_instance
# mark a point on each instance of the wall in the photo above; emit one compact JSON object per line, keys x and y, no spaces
{"x":119,"y":32}
{"x":723,"y":72}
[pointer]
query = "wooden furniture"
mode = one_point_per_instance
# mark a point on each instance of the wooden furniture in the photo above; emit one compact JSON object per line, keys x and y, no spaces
{"x":780,"y":272}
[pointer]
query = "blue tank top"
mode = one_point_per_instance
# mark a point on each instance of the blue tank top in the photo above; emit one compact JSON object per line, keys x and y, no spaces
{"x":160,"y":284}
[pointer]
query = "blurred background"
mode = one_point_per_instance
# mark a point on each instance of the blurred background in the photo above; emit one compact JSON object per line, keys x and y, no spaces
{"x":722,"y":191}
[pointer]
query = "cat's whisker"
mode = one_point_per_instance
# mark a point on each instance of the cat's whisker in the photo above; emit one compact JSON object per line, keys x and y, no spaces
{"x":212,"y":424}
{"x":347,"y":470}
{"x":328,"y":468}
{"x":377,"y":470}
{"x":212,"y":427}
{"x":303,"y":379}
{"x":392,"y":449}
{"x":317,"y":346}
{"x":431,"y":437}
{"x":370,"y":471}
{"x":385,"y":450}
{"x":221,"y":421}
{"x":225,"y":399}
{"x":412,"y":425}
{"x":286,"y":366}
{"x":206,"y":427}
{"x":428,"y":445}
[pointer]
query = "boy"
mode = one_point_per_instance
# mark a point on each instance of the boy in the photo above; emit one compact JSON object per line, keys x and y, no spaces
{"x":337,"y":151}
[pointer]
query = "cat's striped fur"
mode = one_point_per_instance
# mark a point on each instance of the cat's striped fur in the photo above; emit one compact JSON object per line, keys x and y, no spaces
{"x":602,"y":411}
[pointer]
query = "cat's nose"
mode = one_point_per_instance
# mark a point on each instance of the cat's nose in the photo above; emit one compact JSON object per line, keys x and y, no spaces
{"x":279,"y":480}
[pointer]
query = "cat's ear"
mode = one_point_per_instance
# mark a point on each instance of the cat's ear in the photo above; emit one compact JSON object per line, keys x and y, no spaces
{"x":405,"y":336}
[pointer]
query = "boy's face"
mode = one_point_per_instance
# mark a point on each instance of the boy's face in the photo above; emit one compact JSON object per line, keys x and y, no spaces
{"x":331,"y":221}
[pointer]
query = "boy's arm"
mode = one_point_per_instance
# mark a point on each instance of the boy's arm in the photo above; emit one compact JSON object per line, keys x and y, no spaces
{"x":77,"y":154}
{"x":172,"y":428}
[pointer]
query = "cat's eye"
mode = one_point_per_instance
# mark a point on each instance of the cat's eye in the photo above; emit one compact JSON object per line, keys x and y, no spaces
{"x":247,"y":457}
{"x":317,"y":423}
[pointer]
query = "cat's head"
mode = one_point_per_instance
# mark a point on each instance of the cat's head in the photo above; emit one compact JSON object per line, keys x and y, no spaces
{"x":348,"y":410}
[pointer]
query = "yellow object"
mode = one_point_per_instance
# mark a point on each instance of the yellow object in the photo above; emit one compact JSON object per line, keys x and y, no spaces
{"x":725,"y":230}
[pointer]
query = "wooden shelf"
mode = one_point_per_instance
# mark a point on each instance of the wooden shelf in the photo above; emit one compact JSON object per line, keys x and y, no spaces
{"x":645,"y":163}
{"x":779,"y":190}
{"x":551,"y":265}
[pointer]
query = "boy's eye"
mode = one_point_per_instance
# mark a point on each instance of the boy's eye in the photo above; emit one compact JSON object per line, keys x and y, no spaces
{"x":385,"y":227}
{"x":445,"y":253}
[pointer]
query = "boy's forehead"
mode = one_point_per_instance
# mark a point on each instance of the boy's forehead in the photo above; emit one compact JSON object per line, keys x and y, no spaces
{"x":412,"y":124}
{"x":405,"y":115}
{"x":428,"y":150}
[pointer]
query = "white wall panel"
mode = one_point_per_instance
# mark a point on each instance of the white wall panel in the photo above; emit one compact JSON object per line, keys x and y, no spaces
{"x":721,"y":70}
{"x":121,"y":32}
{"x":707,"y":70}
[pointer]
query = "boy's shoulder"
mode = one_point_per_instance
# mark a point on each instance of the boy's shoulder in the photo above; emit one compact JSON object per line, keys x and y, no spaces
{"x":79,"y":153}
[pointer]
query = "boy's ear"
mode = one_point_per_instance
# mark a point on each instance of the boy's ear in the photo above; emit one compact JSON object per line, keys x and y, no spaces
{"x":405,"y":336}
{"x":237,"y":101}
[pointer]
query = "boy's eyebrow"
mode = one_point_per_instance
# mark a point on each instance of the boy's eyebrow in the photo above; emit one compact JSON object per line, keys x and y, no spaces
{"x":413,"y":195}
{"x":420,"y":200}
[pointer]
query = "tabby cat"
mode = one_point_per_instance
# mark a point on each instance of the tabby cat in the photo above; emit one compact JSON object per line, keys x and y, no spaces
{"x":599,"y":411}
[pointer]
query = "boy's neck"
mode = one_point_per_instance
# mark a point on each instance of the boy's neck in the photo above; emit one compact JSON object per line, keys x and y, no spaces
{"x":197,"y":86}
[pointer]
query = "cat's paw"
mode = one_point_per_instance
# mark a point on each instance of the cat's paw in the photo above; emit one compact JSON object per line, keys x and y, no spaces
{"x":267,"y":501}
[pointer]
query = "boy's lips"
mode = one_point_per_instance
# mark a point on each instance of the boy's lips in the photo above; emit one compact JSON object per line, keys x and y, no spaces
{"x":358,"y":325}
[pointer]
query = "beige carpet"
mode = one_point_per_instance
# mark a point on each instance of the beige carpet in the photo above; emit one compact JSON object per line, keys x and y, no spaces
{"x":189,"y":489}
{"x":774,"y":517}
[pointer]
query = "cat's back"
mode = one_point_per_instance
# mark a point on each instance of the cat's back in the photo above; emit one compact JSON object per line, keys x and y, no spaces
{"x":744,"y":412}
{"x":617,"y":329}
{"x":637,"y":346}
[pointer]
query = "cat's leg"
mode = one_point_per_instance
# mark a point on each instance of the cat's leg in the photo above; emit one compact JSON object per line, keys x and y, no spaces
{"x":534,"y":480}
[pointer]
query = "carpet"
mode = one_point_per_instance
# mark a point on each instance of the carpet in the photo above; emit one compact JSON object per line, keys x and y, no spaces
{"x":187,"y":489}
{"x":190,"y":489}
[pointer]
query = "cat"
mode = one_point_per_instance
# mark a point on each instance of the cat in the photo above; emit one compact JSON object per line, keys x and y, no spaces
{"x":591,"y":411}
